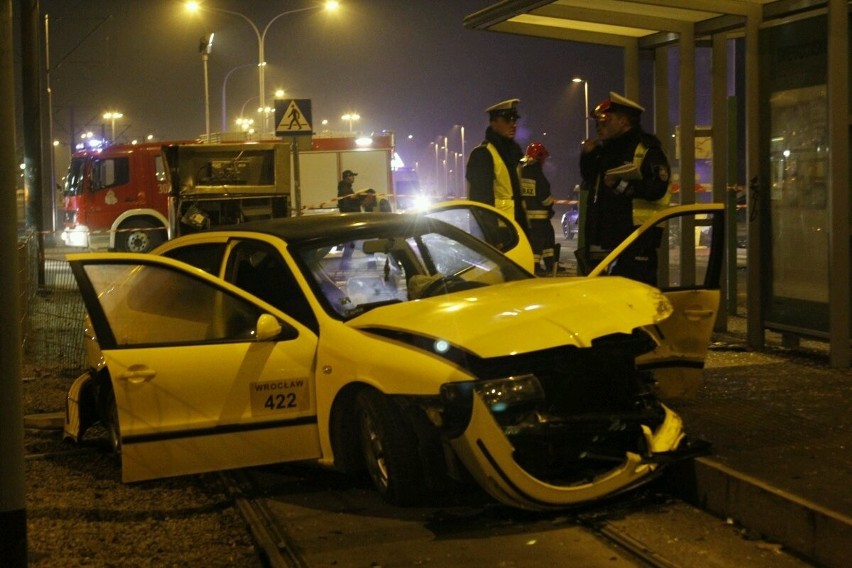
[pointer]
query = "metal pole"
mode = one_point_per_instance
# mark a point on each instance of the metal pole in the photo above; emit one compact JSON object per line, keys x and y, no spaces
{"x":204,"y":58}
{"x":13,"y":513}
{"x":464,"y":159}
{"x":586,"y":118}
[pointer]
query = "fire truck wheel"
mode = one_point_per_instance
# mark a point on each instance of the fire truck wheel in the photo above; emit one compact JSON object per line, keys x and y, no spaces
{"x":139,"y":235}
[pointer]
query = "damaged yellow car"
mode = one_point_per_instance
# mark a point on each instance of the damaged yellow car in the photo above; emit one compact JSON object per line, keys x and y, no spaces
{"x":397,"y":344}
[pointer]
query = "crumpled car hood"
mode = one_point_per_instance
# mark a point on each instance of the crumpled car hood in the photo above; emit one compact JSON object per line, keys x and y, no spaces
{"x":527,"y":315}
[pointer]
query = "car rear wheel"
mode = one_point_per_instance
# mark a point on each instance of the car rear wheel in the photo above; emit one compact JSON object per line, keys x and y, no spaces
{"x":139,"y":235}
{"x":389,"y":446}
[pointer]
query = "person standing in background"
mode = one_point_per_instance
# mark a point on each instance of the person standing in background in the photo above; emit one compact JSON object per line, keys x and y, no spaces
{"x":627,"y":176}
{"x":347,"y":201}
{"x":538,"y":202}
{"x":492,"y":168}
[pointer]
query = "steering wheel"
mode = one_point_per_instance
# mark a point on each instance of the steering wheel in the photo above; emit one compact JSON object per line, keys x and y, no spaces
{"x":448,"y":284}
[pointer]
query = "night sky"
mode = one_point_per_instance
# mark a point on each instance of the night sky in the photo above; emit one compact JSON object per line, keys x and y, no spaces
{"x":404,"y":65}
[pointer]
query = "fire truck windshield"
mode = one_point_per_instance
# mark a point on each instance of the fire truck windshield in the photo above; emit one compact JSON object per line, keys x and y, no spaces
{"x":74,"y":180}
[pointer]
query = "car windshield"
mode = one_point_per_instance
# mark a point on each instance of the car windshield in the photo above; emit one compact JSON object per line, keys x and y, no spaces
{"x":419,"y":262}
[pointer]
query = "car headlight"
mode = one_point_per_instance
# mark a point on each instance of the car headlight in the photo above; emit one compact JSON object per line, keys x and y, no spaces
{"x":502,"y":394}
{"x":507,"y":398}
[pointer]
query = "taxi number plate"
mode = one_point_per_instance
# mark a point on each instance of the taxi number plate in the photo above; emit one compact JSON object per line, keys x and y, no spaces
{"x":286,"y":395}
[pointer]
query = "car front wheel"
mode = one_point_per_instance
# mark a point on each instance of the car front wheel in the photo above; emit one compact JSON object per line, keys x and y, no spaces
{"x":389,"y":446}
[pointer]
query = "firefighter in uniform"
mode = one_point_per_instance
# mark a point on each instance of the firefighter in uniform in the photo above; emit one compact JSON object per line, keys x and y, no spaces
{"x":492,"y":168}
{"x":538,"y":202}
{"x":627,"y":176}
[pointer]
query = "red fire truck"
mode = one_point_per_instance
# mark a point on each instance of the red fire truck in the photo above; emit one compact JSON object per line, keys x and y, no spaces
{"x":131,"y":198}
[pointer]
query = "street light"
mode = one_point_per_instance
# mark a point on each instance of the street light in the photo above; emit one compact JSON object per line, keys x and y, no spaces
{"x":204,"y":47}
{"x":112,"y":116}
{"x":224,"y":91}
{"x":462,"y":149}
{"x":351,"y":116}
{"x":261,"y":35}
{"x":586,"y":93}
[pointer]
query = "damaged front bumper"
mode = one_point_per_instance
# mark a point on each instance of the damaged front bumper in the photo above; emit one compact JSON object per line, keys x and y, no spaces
{"x":489,"y":456}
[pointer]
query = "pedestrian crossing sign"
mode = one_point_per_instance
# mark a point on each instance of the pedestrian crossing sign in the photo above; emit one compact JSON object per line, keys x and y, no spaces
{"x":293,"y":117}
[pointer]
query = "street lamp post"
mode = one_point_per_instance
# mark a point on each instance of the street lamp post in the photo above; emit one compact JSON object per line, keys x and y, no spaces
{"x":446,"y":166}
{"x":204,"y":47}
{"x":261,"y":35}
{"x":224,"y":91}
{"x":350,"y":117}
{"x":112,"y":116}
{"x":586,"y":93}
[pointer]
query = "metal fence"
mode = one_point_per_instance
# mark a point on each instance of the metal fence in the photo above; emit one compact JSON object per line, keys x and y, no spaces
{"x":52,"y":310}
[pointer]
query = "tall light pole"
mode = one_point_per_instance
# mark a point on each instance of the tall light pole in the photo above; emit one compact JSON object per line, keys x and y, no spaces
{"x":437,"y":166}
{"x":205,"y":45}
{"x":446,"y":167}
{"x":261,"y":35}
{"x":461,"y":128}
{"x":586,"y":93}
{"x":224,"y":91}
{"x":350,"y":117}
{"x":112,"y":116}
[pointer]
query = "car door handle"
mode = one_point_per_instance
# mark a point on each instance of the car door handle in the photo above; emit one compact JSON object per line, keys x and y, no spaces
{"x":137,"y":374}
{"x":697,"y":314}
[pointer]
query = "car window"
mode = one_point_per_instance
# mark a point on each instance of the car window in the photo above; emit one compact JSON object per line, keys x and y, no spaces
{"x":352,"y":277}
{"x":154,"y":305}
{"x":699,"y":232}
{"x":257,"y":268}
{"x":697,"y":266}
{"x":483,"y":224}
{"x":206,"y":256}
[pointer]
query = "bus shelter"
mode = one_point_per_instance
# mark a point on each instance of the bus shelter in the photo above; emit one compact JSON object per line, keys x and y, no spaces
{"x":777,"y":141}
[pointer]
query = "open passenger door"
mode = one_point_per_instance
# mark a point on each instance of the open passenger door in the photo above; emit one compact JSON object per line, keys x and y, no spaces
{"x":203,"y":376}
{"x":694,"y":238}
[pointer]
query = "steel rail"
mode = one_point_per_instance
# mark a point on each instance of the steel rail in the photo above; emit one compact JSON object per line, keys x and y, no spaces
{"x":276,"y":546}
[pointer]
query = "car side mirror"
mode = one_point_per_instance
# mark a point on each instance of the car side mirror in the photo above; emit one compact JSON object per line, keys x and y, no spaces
{"x":269,"y":328}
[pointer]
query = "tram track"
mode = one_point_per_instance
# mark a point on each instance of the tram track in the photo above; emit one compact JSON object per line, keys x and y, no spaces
{"x":275,"y":546}
{"x":282,"y":550}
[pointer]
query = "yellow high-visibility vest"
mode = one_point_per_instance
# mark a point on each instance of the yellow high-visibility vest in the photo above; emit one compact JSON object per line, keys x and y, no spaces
{"x":642,"y":208}
{"x":502,"y":184}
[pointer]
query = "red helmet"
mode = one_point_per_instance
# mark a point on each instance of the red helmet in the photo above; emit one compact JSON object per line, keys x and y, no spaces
{"x":537,"y":151}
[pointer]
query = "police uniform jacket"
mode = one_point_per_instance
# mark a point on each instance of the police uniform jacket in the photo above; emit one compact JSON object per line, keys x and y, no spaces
{"x":496,"y":183}
{"x":612,"y":213}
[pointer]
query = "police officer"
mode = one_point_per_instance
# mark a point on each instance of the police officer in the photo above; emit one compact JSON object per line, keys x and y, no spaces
{"x":538,"y":202}
{"x":627,"y":176}
{"x":492,"y":168}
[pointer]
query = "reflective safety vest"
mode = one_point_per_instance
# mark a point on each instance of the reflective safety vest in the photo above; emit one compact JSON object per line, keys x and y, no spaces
{"x":642,"y":208}
{"x":502,"y":184}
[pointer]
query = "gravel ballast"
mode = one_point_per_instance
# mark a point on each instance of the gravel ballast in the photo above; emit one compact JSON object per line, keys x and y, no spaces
{"x":80,"y":514}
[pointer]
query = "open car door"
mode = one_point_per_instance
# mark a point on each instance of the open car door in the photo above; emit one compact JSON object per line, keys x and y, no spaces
{"x":203,"y":375}
{"x":487,"y":224}
{"x":693,"y":242}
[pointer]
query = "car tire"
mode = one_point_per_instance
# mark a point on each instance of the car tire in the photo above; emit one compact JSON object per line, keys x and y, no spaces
{"x":566,"y":228}
{"x":139,"y":235}
{"x":390,"y":449}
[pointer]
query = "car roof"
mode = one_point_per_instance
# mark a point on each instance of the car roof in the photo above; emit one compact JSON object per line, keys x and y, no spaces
{"x":325,"y":226}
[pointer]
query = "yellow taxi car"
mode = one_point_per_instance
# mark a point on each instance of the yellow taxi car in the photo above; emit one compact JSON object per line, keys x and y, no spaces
{"x":399,"y":344}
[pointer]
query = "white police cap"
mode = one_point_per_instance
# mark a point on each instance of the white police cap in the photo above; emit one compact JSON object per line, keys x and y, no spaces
{"x":616,"y":103}
{"x":506,"y":109}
